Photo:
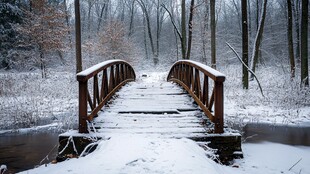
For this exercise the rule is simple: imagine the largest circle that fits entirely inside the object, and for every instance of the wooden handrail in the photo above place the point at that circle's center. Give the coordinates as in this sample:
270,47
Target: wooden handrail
188,73
107,77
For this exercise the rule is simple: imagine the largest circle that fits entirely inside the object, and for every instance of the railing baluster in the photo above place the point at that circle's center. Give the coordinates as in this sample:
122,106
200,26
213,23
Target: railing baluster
218,107
95,91
190,74
122,73
83,107
211,100
198,86
192,80
205,95
111,80
179,71
104,85
90,101
117,74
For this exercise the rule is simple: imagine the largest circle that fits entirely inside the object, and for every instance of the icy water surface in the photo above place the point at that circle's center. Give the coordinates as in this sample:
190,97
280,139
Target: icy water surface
24,151
290,135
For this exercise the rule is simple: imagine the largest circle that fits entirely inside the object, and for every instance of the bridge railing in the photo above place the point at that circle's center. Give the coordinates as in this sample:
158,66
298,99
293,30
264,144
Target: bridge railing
194,77
107,77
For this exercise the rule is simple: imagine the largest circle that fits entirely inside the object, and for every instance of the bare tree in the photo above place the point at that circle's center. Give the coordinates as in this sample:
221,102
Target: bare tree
102,6
245,44
131,7
78,36
204,30
258,36
114,43
146,15
213,28
190,29
296,12
290,37
45,26
68,23
304,43
183,28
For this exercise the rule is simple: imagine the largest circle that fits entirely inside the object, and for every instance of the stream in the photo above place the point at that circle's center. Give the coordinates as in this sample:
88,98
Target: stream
22,151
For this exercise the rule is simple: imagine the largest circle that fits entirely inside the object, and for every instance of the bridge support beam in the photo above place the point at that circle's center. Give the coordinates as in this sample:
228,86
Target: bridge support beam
228,146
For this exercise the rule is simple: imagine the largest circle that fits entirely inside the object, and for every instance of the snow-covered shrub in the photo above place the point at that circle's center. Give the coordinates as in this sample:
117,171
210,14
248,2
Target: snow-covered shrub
114,44
27,100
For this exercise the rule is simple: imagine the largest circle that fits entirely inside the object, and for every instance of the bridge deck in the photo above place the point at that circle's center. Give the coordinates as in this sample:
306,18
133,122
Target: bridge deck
153,107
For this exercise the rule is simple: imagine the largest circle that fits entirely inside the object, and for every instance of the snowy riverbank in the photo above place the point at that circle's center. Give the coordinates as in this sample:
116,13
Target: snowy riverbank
138,154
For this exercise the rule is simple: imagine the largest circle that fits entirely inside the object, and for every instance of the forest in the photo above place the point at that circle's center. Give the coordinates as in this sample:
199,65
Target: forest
239,38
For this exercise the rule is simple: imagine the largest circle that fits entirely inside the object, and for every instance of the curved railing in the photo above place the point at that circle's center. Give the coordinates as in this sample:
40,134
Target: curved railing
107,77
194,77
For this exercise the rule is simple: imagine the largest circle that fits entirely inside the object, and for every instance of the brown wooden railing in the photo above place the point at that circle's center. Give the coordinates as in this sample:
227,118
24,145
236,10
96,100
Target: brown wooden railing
107,77
194,77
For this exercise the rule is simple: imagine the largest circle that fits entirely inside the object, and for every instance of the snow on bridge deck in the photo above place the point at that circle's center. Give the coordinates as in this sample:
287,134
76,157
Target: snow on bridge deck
151,106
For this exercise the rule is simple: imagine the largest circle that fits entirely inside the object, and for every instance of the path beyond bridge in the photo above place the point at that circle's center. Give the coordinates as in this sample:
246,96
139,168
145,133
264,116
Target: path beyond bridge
152,106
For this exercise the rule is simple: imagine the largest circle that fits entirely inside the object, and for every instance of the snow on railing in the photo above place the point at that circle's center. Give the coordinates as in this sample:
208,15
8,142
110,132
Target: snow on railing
188,73
107,77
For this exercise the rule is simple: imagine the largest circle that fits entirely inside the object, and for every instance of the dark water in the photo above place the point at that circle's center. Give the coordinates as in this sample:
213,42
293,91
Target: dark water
20,152
290,135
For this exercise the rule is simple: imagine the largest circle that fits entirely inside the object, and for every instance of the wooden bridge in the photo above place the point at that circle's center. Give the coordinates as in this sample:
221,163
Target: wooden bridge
153,107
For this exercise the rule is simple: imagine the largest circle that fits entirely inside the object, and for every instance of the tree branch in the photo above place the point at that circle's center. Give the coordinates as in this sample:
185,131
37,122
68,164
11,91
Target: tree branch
172,21
260,87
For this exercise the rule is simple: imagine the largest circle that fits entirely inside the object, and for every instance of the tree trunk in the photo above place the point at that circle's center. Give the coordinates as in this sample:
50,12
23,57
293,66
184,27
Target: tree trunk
183,29
296,11
68,24
250,18
78,36
257,15
100,18
238,13
245,44
204,32
144,39
304,43
190,29
258,37
131,18
89,18
290,37
157,30
213,28
42,62
149,30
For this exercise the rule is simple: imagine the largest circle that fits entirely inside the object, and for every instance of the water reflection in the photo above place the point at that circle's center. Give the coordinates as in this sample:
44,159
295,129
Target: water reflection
291,135
23,151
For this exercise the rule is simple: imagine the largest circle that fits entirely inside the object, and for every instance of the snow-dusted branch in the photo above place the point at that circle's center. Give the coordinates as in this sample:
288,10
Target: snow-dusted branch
172,21
260,87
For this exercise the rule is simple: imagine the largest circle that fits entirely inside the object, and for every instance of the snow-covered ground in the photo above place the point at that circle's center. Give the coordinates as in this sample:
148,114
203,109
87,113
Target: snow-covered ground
27,100
138,154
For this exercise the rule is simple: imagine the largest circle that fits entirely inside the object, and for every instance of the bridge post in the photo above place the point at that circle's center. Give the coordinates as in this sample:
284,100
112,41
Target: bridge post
219,107
83,107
